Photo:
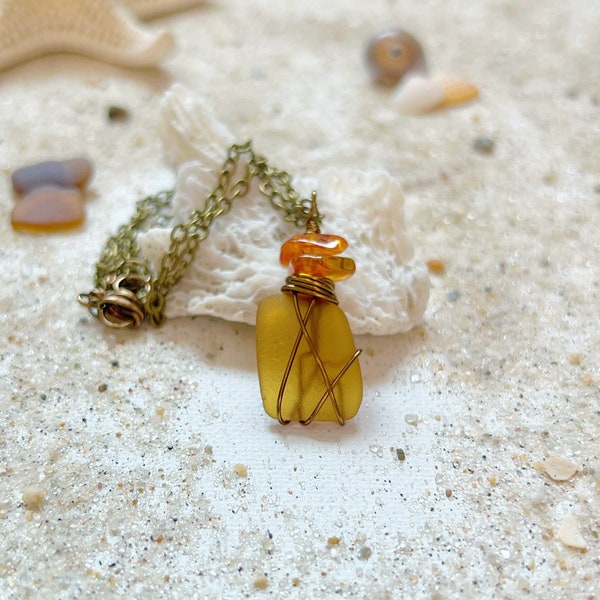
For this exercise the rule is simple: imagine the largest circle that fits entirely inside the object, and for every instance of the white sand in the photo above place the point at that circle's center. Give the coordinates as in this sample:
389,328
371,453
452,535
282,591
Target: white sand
135,490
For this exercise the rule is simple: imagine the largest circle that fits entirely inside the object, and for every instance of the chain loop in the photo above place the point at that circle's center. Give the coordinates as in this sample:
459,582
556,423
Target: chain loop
141,293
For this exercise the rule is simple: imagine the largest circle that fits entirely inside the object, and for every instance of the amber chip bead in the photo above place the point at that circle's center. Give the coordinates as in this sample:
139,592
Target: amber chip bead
321,244
48,209
336,268
74,173
278,332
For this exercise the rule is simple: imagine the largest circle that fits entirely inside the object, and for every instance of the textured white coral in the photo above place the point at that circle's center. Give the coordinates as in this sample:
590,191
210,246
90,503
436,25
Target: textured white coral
102,29
238,264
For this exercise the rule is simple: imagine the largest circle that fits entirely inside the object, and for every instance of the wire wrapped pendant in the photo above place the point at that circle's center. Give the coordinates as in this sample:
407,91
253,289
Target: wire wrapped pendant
307,361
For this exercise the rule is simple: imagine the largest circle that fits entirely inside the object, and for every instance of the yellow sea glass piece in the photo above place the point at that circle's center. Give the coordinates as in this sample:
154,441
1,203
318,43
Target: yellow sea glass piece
307,360
321,244
336,268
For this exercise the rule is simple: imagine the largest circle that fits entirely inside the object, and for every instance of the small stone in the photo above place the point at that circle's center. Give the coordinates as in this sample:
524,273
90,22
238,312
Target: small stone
261,583
49,209
483,145
569,533
117,113
241,470
411,419
365,553
33,498
333,541
67,173
453,296
400,454
436,266
559,469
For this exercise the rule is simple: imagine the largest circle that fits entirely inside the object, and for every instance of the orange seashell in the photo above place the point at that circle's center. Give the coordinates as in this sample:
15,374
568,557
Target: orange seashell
457,91
394,53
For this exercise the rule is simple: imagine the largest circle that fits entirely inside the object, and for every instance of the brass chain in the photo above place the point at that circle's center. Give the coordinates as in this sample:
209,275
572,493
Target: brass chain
126,291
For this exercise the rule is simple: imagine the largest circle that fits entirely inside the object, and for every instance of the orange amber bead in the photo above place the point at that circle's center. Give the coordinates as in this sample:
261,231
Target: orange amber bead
336,268
321,244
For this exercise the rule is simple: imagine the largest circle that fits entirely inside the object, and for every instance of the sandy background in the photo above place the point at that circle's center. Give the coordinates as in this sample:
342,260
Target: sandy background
131,441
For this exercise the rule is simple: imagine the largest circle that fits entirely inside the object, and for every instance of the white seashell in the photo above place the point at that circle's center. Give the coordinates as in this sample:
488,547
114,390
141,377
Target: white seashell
418,95
147,9
101,29
190,131
238,264
570,534
559,469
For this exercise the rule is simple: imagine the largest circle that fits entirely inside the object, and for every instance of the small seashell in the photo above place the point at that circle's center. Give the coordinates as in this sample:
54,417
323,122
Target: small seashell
456,91
418,95
392,54
49,209
570,534
559,469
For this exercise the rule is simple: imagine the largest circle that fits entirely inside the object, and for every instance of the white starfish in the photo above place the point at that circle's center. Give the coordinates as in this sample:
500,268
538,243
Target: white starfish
147,9
102,29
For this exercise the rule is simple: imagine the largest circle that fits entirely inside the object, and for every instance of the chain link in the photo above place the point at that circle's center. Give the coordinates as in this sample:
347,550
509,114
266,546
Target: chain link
122,270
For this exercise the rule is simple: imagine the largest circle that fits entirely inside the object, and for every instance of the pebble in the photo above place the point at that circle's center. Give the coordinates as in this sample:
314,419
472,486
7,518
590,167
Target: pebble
483,145
33,498
569,533
117,113
49,209
559,469
411,419
261,583
74,173
436,266
241,470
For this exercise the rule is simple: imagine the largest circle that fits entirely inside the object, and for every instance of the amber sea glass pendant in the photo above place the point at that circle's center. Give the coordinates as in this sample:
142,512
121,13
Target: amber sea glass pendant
307,361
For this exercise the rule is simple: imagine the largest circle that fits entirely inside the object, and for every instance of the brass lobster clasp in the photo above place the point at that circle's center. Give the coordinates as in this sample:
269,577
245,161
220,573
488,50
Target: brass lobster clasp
117,307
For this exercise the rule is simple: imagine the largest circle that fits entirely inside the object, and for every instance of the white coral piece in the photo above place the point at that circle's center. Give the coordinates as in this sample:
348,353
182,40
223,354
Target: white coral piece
238,264
191,132
101,29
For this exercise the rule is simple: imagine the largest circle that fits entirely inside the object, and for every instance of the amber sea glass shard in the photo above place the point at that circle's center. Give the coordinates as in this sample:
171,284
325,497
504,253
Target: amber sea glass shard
322,244
48,209
307,361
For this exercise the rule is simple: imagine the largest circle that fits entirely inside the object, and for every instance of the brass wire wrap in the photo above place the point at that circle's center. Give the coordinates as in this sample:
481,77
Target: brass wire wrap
318,287
120,260
316,284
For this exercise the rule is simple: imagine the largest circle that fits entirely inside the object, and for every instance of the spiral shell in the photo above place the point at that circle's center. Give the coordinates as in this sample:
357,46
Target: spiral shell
392,54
